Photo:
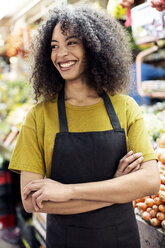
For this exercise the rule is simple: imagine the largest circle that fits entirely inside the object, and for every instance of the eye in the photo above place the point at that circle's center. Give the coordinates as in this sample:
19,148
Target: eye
54,47
70,43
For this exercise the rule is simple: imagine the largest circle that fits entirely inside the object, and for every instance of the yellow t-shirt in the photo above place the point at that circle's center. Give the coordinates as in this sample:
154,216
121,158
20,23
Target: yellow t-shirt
34,147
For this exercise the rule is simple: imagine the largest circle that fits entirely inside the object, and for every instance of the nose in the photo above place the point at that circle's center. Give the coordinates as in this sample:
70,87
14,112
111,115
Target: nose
62,51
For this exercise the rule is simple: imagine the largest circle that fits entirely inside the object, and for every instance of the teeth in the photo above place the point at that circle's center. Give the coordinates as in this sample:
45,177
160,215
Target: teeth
67,64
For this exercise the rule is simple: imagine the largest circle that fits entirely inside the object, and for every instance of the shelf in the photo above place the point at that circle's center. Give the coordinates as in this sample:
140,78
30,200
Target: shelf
154,88
160,230
150,237
156,56
39,222
155,95
158,83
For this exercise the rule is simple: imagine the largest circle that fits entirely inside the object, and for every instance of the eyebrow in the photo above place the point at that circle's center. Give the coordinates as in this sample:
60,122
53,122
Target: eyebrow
68,38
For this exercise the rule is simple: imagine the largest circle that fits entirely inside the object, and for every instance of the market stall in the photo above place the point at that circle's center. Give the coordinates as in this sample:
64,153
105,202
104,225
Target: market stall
150,210
148,33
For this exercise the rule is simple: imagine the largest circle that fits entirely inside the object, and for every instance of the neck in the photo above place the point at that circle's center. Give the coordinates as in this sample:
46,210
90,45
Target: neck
79,93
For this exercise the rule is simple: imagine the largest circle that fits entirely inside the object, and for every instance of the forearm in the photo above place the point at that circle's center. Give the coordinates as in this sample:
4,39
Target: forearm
69,207
122,189
145,181
73,207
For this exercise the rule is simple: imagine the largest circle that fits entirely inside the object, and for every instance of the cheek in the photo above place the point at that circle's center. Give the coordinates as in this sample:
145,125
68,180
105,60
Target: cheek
83,59
52,57
83,56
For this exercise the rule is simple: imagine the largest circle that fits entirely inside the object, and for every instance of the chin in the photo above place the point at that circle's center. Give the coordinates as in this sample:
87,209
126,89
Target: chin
71,78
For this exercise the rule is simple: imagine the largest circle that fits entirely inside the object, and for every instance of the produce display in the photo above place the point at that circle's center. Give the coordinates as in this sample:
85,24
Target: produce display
154,118
15,101
152,208
18,41
116,10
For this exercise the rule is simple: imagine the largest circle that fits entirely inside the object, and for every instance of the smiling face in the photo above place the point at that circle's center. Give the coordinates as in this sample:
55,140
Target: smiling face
68,55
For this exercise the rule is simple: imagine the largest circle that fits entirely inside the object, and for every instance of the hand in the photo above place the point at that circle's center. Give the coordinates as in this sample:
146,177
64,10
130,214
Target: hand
46,190
129,163
158,4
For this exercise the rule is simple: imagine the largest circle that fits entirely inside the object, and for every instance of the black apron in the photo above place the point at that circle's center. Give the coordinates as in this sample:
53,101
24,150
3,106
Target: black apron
88,157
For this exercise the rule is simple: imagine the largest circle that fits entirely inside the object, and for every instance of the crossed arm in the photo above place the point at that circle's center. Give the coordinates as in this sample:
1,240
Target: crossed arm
133,179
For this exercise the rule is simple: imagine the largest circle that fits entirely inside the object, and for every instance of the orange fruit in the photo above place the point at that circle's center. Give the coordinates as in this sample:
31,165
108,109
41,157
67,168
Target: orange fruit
162,158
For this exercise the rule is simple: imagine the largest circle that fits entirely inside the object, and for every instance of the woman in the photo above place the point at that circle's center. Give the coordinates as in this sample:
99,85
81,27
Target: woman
79,134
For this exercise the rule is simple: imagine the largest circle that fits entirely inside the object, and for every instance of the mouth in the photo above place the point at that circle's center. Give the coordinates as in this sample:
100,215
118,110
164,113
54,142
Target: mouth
64,66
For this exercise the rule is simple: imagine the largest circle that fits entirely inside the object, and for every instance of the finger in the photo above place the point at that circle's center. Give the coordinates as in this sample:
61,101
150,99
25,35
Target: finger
33,186
38,181
133,165
40,200
136,168
29,188
136,163
34,199
133,157
26,193
127,155
34,182
128,160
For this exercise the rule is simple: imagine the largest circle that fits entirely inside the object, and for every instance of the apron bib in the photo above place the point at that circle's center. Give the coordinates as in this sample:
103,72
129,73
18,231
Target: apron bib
88,157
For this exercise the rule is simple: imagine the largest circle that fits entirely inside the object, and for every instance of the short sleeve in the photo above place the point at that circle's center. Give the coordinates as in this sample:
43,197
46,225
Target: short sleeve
28,154
138,139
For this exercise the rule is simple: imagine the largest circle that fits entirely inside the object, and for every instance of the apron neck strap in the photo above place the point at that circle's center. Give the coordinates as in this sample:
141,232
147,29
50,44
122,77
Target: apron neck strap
62,112
111,112
108,104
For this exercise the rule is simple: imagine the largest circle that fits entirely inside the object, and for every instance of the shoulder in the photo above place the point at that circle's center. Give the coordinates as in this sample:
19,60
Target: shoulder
124,100
119,99
126,107
34,111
